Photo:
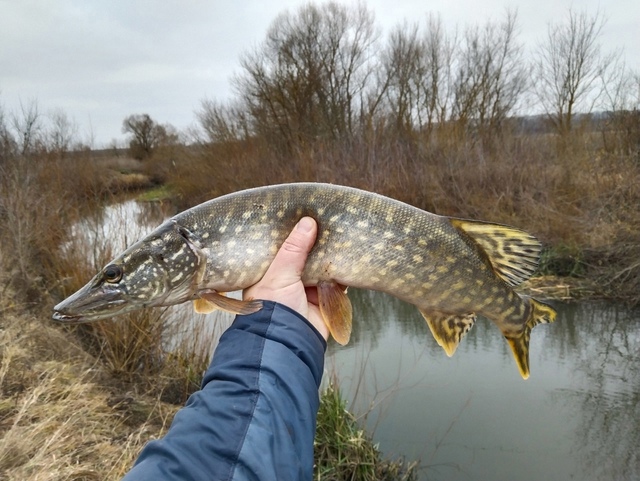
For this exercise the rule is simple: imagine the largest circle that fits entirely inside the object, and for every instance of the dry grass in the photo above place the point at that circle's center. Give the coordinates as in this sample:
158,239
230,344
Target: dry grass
58,420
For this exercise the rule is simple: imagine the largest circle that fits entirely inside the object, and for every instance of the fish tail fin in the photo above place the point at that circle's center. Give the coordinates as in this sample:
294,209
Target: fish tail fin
539,313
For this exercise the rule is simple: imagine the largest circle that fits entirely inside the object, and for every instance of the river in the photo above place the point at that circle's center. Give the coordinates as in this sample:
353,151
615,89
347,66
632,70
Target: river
472,416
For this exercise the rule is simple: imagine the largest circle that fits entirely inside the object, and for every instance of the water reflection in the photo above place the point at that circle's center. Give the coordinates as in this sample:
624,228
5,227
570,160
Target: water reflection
107,231
472,417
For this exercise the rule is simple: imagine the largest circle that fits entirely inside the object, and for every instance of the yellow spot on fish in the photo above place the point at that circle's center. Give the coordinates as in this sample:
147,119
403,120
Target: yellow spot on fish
250,251
392,263
334,218
417,258
280,214
398,247
321,211
205,235
362,224
222,229
177,278
246,215
409,276
238,229
351,209
422,242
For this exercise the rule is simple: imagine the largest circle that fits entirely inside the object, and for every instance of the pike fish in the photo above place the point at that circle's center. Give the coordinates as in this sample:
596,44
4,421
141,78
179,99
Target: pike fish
450,269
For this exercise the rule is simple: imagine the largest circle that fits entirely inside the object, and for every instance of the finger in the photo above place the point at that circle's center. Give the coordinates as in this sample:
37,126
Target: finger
289,262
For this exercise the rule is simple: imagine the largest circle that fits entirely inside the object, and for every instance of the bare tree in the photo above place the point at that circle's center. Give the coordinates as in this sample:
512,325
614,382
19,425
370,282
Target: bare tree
27,127
61,132
490,77
223,122
7,143
621,102
403,67
569,65
146,134
309,78
418,67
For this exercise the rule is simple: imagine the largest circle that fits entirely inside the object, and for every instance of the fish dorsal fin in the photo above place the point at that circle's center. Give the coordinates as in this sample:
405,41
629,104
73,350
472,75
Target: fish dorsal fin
513,253
448,329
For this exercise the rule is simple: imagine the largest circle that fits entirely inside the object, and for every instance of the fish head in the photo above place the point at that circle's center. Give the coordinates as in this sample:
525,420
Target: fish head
163,269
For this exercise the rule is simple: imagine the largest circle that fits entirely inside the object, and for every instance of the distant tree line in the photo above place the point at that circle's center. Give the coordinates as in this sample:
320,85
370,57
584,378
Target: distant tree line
325,72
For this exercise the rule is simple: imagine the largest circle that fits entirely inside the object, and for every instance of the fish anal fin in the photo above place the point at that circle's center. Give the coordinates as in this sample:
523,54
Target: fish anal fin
215,300
539,313
448,329
513,253
336,310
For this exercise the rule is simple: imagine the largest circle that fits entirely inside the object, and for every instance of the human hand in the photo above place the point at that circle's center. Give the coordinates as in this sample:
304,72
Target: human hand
282,282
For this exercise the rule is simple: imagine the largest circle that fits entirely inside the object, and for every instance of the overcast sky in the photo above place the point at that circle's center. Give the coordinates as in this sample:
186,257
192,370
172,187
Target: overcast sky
100,61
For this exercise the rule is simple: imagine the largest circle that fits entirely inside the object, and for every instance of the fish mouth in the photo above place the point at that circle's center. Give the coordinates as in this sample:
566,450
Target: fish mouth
59,316
76,319
89,304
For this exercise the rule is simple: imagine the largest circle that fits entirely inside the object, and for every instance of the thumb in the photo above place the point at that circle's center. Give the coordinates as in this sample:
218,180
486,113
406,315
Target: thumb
287,266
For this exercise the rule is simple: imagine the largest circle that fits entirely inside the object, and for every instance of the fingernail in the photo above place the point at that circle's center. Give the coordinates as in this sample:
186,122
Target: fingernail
305,225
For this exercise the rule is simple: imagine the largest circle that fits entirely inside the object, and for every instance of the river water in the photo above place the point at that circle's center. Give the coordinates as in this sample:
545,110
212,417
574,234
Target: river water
472,416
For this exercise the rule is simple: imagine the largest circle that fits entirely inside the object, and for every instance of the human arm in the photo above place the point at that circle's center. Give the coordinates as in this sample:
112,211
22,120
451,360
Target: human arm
254,417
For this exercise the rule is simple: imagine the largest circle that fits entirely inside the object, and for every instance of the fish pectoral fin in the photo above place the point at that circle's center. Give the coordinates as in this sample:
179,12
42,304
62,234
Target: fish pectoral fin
211,300
513,253
336,310
539,313
448,329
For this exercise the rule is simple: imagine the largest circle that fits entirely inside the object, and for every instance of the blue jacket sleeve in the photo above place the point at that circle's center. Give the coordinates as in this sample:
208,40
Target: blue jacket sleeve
255,416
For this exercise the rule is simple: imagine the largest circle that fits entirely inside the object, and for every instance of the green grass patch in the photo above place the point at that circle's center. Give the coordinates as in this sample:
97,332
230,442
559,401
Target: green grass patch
156,194
343,451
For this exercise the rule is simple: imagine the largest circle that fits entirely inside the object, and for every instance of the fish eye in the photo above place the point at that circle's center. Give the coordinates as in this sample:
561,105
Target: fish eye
112,273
